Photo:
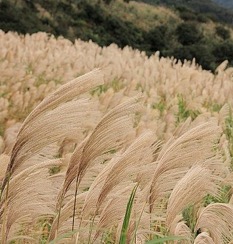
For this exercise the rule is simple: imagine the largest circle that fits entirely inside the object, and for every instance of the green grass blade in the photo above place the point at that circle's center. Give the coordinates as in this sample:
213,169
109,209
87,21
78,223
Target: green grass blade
127,216
167,238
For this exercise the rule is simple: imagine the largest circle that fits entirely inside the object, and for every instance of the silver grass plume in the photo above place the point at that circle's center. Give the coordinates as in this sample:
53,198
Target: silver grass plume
62,95
197,183
204,238
109,134
217,218
31,195
192,147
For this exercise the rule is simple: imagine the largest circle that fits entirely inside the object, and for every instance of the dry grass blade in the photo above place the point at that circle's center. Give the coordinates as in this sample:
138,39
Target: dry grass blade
224,113
189,190
66,214
89,206
166,182
4,159
217,218
27,239
71,171
182,229
203,238
184,127
10,136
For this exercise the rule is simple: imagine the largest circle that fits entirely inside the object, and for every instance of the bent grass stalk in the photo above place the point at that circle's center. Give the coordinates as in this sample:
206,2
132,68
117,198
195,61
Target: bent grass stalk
75,200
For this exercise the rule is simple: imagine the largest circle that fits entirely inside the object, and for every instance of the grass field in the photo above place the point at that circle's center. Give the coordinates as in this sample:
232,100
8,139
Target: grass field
104,145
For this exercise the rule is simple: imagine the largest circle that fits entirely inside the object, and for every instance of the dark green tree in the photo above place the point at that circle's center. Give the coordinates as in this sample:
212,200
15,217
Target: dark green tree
201,52
222,32
188,33
107,1
224,51
156,38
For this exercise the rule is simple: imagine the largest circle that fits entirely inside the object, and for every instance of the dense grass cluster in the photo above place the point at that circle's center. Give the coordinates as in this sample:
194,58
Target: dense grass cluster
134,149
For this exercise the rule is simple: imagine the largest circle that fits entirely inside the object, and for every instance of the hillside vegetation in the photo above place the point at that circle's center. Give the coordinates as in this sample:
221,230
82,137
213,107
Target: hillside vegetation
175,30
138,150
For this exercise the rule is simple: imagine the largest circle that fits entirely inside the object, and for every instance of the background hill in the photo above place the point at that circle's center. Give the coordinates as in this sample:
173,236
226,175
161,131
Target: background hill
183,29
225,3
217,10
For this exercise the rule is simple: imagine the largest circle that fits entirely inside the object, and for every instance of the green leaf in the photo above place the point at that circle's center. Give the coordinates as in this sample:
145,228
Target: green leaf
167,238
127,216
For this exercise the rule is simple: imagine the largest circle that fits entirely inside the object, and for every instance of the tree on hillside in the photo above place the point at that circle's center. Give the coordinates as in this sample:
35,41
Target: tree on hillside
188,33
222,32
224,51
156,38
201,52
107,1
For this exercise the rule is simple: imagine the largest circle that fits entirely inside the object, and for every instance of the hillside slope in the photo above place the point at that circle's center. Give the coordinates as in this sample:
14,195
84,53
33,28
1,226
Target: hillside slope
177,31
